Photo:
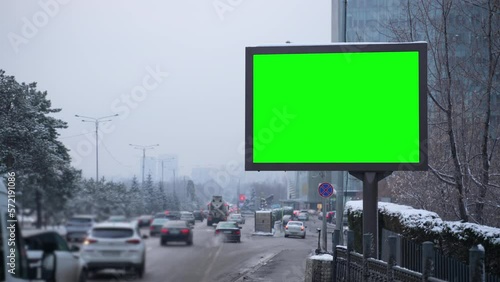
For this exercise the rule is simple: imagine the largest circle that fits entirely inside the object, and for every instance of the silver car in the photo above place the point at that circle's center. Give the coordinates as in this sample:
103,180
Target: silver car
78,226
295,228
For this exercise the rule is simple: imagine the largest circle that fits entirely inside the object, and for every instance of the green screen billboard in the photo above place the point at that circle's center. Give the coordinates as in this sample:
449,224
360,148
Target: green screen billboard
356,107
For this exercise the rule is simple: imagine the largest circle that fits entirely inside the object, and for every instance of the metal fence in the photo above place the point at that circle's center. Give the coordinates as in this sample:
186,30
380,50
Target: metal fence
351,266
409,255
418,262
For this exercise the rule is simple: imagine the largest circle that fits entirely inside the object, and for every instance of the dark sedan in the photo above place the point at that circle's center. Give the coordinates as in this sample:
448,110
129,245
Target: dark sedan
176,230
229,231
156,226
144,220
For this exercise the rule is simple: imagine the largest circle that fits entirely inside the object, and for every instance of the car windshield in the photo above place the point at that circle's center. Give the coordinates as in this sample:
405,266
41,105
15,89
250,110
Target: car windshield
227,225
159,221
115,233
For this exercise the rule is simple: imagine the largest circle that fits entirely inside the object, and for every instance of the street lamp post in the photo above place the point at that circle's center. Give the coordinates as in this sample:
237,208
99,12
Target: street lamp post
96,121
144,148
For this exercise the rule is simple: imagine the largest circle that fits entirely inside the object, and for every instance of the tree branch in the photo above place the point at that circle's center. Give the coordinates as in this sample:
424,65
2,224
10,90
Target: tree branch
442,176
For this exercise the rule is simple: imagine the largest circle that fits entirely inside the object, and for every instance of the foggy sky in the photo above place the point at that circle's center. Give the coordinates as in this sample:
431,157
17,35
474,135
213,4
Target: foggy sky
172,70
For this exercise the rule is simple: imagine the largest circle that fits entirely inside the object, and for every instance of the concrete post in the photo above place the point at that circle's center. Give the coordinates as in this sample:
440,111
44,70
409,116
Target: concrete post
367,253
335,242
427,260
476,264
350,248
392,258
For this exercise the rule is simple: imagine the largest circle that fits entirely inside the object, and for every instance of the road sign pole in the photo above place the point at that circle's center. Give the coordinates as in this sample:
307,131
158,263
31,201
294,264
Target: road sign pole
324,228
325,190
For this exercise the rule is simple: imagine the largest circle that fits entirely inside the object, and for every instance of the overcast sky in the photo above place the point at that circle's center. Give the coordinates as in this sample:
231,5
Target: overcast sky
172,70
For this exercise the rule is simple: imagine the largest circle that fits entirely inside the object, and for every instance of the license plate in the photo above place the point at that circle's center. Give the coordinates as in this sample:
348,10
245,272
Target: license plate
174,232
228,232
111,253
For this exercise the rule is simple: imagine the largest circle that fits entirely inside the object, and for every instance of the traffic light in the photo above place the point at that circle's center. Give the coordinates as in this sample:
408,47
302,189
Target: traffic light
242,197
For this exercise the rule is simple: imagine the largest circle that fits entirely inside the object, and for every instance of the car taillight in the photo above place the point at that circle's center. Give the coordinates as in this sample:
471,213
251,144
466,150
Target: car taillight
185,231
151,227
133,241
217,231
302,228
89,241
237,232
164,230
286,227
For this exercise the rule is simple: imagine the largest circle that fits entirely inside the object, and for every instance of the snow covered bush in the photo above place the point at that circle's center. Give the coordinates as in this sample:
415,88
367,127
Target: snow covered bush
452,237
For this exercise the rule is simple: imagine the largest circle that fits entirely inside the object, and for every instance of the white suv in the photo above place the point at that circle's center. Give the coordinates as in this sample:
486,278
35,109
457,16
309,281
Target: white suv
115,245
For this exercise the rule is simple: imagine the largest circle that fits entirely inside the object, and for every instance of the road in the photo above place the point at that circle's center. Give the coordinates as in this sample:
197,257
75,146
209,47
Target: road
211,260
256,258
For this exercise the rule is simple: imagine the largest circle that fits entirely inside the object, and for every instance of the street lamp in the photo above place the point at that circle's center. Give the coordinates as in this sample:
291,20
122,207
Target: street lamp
144,148
96,121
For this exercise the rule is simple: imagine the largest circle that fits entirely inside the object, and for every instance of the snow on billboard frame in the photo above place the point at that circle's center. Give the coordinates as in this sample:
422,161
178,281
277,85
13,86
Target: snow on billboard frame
277,111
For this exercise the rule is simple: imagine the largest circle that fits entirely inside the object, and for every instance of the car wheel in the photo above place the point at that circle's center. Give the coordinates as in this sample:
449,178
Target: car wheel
83,276
286,236
189,243
163,242
303,237
140,270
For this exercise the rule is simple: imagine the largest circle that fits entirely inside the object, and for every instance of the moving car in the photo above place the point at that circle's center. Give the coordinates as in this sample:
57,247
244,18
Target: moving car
70,266
236,217
198,215
228,231
176,230
116,245
118,218
303,216
295,228
188,217
156,225
78,226
144,220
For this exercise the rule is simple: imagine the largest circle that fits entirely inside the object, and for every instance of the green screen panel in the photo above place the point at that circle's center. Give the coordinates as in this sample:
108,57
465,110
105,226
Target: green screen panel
361,108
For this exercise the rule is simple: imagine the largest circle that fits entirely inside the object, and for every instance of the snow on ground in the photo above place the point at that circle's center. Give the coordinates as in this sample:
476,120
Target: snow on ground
325,257
262,234
430,221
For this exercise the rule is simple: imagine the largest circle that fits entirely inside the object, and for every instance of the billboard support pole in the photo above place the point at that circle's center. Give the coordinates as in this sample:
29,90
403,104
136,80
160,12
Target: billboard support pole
370,206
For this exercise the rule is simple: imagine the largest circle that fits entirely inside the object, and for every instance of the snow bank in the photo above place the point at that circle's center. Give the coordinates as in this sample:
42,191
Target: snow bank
430,221
325,257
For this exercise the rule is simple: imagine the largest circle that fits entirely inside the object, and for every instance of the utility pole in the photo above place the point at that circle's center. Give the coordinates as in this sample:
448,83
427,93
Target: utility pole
174,178
96,121
144,148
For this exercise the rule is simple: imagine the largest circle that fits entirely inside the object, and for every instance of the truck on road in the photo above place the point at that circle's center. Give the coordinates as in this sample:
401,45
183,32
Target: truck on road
217,210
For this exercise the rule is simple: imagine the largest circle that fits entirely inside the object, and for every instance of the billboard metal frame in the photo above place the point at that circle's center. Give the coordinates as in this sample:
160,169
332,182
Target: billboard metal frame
420,47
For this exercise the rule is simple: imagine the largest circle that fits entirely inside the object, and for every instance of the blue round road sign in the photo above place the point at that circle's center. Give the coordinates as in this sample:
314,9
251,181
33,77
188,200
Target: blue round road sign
325,190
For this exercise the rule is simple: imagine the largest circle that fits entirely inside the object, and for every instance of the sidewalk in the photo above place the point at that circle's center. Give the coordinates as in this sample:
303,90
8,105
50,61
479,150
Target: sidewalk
286,266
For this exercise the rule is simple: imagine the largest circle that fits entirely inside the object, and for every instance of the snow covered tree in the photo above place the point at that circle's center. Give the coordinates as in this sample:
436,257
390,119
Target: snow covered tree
30,147
136,198
149,196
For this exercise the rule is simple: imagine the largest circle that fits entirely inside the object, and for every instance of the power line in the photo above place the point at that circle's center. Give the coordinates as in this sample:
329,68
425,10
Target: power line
111,155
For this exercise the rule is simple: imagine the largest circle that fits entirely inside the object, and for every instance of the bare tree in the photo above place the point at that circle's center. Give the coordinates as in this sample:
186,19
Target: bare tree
463,50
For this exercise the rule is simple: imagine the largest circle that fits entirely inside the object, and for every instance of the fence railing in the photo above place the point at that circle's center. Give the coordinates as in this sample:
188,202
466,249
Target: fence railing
434,266
408,255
